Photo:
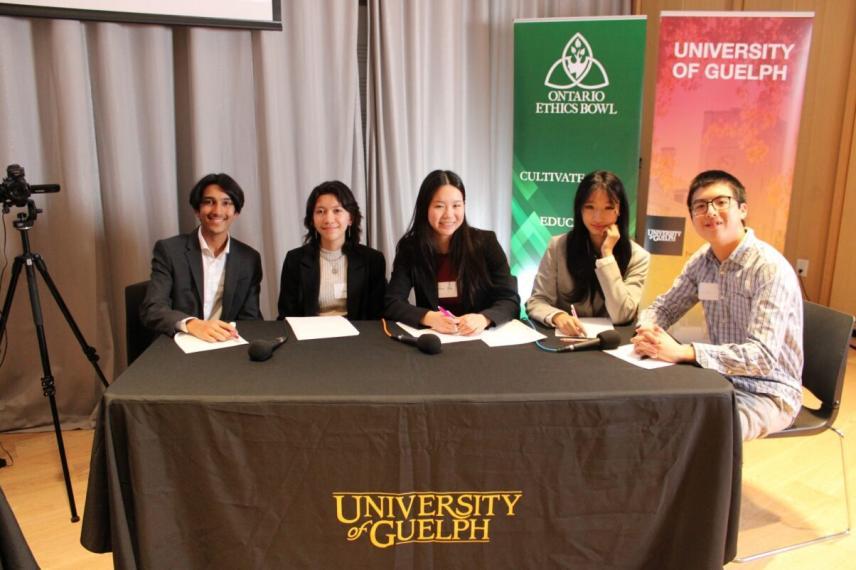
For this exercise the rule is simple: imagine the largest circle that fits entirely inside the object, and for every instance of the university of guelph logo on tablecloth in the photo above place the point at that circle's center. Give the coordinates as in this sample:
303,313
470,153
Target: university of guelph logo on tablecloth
390,519
664,235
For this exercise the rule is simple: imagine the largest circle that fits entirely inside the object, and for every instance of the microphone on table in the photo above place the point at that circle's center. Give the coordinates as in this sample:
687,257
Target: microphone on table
427,343
260,350
606,340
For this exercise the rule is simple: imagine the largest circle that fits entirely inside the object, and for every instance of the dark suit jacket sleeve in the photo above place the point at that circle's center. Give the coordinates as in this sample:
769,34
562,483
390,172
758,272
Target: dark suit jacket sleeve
250,310
157,311
289,286
398,291
377,285
504,299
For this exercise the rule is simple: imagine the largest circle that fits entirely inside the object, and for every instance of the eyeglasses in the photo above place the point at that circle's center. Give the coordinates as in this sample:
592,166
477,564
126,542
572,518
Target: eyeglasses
720,203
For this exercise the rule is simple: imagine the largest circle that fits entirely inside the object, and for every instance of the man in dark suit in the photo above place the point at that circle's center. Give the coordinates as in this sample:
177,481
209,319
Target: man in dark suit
202,280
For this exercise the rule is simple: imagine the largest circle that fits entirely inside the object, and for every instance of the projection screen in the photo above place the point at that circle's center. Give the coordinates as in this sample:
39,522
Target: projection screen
253,14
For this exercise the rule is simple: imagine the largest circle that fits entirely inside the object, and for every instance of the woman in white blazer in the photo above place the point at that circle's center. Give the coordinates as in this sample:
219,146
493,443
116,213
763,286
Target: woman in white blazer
594,270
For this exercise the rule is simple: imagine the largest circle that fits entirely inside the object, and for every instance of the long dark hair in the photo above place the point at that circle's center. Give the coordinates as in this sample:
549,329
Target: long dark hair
346,198
580,254
463,247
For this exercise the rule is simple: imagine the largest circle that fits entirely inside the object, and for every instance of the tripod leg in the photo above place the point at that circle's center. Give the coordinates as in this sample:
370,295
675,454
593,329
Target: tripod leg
89,351
10,293
48,388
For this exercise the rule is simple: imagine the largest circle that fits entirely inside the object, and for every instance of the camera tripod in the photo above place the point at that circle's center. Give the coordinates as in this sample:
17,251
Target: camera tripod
32,261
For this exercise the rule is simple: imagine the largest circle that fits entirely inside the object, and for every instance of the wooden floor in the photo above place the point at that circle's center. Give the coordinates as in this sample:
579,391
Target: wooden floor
791,489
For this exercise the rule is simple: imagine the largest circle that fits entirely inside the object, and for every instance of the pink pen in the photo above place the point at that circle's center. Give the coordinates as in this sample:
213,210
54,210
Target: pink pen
445,312
574,314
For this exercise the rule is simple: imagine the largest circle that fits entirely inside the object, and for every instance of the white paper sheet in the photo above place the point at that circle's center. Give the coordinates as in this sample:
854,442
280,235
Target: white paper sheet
593,326
511,333
444,338
626,353
190,344
308,328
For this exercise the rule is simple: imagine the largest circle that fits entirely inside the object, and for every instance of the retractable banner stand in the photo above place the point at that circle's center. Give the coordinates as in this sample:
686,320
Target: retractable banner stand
729,97
577,108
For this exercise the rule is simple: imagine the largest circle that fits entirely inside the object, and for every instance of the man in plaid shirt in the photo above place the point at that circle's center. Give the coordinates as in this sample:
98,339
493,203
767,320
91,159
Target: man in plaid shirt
752,305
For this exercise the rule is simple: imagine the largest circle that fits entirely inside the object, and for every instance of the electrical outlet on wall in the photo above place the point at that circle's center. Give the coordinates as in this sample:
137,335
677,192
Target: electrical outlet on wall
802,267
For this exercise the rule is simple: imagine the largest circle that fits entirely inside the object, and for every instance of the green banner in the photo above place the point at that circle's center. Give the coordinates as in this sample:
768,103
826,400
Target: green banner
577,108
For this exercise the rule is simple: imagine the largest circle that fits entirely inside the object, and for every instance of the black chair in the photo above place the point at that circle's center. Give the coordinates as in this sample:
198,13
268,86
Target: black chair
137,337
826,337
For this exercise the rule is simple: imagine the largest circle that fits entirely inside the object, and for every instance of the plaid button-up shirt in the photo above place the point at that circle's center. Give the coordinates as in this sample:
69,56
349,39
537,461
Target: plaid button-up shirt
756,324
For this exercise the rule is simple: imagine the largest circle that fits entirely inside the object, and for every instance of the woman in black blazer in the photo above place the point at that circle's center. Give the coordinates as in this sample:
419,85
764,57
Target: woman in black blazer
332,274
460,274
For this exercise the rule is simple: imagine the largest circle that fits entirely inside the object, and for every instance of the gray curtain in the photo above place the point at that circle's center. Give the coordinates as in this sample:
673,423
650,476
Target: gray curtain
125,118
440,95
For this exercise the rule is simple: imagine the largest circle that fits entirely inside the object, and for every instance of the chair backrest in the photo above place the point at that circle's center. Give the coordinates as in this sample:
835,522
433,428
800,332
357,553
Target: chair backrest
137,337
826,340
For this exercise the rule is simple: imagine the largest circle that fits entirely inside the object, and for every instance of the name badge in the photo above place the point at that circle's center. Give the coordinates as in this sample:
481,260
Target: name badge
340,290
447,289
708,291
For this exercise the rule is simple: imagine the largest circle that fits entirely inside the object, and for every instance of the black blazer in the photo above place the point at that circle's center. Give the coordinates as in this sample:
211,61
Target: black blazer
175,291
500,302
300,282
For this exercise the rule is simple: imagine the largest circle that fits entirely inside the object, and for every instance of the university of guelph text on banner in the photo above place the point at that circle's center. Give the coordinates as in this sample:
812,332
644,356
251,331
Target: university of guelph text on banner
577,108
729,97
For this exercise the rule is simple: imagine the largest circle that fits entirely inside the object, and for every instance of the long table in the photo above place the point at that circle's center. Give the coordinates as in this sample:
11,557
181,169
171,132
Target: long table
361,452
15,554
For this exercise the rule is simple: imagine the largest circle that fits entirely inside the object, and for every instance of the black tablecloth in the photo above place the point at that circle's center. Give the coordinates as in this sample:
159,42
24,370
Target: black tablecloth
14,551
361,452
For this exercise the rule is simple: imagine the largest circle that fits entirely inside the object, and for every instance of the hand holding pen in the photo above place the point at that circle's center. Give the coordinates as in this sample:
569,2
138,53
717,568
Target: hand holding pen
569,324
441,320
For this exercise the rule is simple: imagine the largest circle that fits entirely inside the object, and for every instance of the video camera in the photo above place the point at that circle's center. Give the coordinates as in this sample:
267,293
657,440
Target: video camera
14,190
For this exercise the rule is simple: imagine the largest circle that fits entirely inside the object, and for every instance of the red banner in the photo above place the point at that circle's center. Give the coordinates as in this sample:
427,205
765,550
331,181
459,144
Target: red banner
729,97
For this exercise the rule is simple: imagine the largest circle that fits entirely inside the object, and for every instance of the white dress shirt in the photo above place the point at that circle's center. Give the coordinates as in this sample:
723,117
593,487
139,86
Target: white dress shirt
213,278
